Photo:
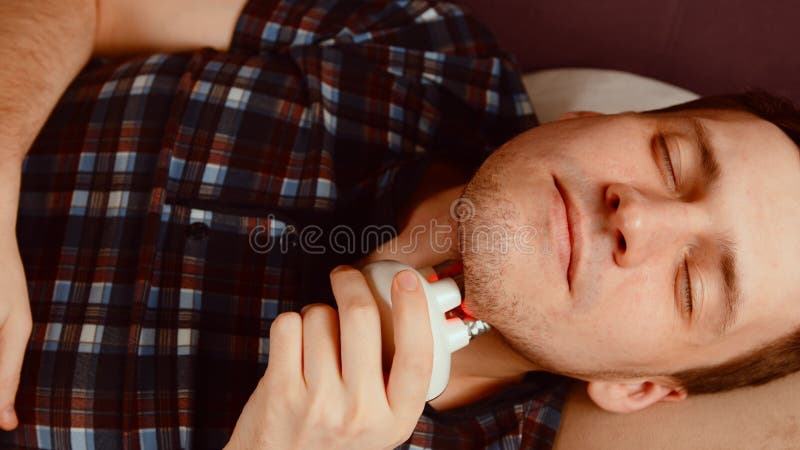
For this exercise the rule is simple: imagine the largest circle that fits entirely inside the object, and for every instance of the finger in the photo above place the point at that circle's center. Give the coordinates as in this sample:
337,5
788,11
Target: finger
285,363
413,354
13,340
320,346
359,332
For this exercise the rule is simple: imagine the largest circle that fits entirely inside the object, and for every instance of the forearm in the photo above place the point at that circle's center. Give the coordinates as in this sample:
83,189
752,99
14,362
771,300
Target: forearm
45,43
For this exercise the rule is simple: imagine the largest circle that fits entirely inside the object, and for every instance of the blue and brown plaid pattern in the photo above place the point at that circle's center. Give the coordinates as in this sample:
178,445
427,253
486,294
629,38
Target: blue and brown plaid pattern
151,303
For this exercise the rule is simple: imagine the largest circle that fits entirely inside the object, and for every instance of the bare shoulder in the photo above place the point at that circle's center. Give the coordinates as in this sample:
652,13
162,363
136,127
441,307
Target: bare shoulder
762,417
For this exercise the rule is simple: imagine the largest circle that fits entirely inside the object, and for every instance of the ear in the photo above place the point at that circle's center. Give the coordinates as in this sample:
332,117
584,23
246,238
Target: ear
577,114
625,397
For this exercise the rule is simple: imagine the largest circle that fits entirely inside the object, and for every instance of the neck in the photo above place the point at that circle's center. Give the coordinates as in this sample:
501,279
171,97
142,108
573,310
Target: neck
428,230
490,356
482,368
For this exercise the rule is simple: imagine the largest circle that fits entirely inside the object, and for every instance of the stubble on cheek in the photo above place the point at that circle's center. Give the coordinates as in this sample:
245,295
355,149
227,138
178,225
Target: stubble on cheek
486,231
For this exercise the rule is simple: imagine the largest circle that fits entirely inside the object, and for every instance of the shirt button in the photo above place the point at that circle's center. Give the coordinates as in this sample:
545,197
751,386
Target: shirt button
197,231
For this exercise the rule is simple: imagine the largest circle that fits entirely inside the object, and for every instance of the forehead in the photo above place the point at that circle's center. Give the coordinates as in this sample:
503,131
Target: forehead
758,202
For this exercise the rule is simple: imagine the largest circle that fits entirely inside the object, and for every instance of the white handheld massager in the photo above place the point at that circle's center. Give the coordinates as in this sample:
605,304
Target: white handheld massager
443,295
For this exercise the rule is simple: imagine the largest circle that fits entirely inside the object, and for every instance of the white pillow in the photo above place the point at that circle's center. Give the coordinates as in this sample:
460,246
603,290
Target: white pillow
556,91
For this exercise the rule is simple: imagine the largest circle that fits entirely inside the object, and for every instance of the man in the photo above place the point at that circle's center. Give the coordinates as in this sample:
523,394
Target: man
152,296
151,197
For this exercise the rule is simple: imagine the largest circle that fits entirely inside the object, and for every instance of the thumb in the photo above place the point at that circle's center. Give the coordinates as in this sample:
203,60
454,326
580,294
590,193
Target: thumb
13,339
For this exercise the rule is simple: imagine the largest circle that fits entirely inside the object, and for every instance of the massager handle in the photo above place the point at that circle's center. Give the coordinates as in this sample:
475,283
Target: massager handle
443,295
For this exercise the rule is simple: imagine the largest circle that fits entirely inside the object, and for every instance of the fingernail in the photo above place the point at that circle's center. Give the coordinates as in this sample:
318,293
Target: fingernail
304,308
407,280
339,268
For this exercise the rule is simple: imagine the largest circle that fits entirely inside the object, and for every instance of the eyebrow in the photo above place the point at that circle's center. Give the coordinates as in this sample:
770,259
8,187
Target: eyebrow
727,264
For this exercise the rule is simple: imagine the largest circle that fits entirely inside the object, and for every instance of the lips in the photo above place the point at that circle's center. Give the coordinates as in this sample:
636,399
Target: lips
565,232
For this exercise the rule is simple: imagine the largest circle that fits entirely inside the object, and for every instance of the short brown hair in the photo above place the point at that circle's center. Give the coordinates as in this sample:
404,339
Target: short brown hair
780,357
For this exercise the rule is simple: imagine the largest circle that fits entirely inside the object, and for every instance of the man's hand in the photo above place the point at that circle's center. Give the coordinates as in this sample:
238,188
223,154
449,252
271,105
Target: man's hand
44,45
15,310
324,386
15,326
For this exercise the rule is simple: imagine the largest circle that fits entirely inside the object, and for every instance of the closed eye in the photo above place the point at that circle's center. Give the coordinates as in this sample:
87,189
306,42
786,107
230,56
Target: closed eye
669,171
663,154
688,304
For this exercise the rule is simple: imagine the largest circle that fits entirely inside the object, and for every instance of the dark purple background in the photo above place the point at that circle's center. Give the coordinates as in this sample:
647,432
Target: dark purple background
707,46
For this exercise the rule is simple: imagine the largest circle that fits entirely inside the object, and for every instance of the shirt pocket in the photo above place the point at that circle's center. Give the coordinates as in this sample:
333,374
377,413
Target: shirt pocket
251,265
247,135
235,262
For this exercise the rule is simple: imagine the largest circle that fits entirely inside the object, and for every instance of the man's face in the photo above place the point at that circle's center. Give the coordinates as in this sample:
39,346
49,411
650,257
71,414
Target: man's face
622,308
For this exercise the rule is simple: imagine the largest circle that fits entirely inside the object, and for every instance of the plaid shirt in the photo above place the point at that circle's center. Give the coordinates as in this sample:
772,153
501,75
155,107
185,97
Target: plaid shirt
150,197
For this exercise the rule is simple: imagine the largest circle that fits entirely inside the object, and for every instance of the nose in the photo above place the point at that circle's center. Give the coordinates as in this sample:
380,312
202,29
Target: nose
646,225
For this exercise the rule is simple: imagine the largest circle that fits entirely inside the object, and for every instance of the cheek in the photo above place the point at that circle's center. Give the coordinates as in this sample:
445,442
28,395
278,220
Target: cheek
597,159
623,326
632,324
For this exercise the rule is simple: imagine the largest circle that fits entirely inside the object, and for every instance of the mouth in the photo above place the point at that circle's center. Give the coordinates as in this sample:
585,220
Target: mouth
568,236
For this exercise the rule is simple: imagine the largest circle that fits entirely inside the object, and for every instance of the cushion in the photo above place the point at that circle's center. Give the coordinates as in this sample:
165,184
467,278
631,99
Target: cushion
556,91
